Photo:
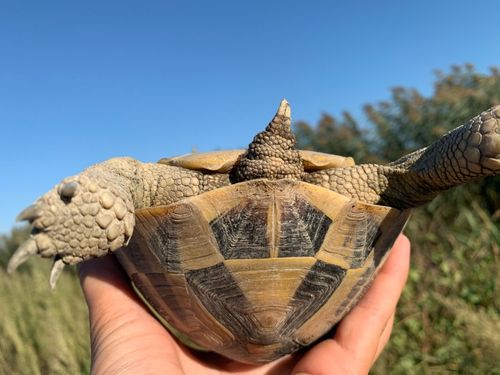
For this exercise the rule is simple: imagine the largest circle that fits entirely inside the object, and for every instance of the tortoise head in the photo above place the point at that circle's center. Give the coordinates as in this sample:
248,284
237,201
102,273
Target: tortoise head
272,153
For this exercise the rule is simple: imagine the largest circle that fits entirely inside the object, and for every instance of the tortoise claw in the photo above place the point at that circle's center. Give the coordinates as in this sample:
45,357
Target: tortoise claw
20,256
284,109
56,271
28,249
491,163
29,214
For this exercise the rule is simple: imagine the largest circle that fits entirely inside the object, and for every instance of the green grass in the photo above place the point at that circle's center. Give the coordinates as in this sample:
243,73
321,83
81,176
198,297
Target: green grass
448,319
42,331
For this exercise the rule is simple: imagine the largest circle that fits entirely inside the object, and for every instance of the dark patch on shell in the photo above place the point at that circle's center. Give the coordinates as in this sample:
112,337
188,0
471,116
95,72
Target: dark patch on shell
241,232
317,287
303,229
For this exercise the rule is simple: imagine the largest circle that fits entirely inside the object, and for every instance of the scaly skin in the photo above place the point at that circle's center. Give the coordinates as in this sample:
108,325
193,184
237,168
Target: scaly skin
92,214
465,154
272,153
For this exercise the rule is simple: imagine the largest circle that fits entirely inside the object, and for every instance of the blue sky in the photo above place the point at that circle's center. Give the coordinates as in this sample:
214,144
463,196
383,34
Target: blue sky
81,82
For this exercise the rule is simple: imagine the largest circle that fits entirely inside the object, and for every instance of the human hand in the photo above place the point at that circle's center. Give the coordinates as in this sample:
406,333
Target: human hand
127,339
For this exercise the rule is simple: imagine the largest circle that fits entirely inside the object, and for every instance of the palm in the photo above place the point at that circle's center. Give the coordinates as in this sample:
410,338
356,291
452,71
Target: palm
126,338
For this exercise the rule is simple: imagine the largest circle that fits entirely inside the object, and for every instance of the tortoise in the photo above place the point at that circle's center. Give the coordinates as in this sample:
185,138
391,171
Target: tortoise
251,253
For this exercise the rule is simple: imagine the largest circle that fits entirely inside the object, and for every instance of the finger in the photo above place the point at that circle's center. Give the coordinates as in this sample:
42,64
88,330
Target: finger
384,338
103,278
361,330
120,326
122,329
357,338
109,295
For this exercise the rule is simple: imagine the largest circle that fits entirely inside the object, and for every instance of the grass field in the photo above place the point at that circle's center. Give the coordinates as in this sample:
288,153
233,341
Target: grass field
42,332
448,318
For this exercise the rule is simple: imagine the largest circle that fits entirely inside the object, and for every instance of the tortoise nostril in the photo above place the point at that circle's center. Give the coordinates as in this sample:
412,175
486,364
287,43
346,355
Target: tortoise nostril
68,191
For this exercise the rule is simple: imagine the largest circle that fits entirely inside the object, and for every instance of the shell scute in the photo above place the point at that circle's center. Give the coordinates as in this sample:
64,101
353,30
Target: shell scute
223,161
265,266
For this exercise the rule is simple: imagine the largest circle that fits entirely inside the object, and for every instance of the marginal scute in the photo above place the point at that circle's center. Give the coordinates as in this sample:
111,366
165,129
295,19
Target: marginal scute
215,161
223,161
315,161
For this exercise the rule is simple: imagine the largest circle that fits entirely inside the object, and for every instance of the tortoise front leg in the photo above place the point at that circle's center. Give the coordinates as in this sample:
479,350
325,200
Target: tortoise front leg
465,154
92,214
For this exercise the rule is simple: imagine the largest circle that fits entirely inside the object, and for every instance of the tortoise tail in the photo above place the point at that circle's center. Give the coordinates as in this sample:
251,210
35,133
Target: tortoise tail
272,153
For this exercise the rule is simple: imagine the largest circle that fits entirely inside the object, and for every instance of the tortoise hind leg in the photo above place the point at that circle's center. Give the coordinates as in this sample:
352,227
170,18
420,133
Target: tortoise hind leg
465,154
